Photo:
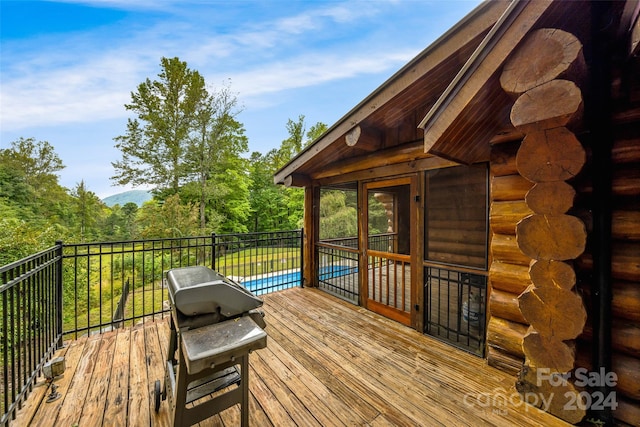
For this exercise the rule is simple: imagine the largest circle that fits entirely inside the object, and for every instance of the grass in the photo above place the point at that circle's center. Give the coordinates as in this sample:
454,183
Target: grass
147,298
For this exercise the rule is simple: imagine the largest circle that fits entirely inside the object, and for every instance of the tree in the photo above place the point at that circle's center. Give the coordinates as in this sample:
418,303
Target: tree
168,219
88,211
36,160
155,146
276,207
315,132
216,146
29,187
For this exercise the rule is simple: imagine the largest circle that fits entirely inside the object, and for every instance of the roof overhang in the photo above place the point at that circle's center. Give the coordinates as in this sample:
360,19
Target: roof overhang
389,116
474,107
453,86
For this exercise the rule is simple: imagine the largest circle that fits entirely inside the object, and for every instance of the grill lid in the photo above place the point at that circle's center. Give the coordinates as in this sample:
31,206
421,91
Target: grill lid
198,290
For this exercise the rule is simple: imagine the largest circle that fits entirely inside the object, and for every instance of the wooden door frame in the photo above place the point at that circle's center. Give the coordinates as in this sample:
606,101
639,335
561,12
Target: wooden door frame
416,197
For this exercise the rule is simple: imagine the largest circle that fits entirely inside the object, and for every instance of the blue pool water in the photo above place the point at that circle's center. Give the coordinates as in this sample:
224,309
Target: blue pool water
278,282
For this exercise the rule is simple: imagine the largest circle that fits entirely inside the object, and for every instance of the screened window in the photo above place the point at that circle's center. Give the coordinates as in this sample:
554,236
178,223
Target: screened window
456,216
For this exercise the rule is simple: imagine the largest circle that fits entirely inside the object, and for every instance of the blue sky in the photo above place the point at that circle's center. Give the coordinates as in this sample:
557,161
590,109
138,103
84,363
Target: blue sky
68,67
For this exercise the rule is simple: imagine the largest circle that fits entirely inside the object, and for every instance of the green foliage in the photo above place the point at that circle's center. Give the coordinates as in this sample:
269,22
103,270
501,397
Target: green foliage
338,214
19,238
89,213
273,206
184,139
155,146
37,162
168,219
34,209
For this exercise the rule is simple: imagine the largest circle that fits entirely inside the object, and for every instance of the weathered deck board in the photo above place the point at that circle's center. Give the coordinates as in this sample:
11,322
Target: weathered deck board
116,400
327,363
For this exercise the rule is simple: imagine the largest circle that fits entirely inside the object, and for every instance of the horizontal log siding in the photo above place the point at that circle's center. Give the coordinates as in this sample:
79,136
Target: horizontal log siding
509,268
625,260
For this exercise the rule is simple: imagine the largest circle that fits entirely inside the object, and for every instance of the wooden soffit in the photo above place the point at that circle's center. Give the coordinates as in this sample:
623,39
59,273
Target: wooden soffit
474,108
388,118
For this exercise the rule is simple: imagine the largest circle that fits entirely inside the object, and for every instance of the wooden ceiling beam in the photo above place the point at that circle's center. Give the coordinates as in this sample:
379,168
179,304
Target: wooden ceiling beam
364,138
397,154
297,180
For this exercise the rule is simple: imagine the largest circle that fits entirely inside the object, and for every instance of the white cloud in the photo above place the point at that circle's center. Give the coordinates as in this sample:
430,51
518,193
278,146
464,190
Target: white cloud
91,75
311,70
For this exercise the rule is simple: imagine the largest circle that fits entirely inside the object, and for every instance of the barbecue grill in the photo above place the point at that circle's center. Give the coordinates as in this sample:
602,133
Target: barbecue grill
215,324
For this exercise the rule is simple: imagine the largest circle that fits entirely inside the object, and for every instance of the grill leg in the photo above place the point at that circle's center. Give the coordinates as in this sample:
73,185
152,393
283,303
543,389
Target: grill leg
180,393
244,383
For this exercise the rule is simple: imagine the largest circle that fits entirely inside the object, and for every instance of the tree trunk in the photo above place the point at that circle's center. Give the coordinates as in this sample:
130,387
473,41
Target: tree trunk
504,361
510,278
625,337
554,312
504,248
506,335
503,216
626,225
547,352
553,397
509,187
625,261
505,306
503,158
552,274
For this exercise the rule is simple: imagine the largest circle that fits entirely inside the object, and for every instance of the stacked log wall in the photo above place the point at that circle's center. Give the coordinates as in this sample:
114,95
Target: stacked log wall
544,76
509,268
625,264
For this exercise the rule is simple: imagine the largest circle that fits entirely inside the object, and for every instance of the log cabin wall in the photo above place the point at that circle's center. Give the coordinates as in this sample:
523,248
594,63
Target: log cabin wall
625,245
509,270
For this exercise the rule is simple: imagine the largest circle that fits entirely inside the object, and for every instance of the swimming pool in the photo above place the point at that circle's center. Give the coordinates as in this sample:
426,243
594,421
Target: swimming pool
290,279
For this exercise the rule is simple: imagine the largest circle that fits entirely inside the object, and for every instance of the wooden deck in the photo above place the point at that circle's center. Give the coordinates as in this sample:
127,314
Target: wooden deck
327,363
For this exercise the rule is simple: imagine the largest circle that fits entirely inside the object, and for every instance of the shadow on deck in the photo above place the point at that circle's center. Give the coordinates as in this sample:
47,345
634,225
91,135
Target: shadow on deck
327,363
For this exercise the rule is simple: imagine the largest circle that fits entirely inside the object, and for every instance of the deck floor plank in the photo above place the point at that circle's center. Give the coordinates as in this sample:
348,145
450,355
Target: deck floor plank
138,408
311,357
313,390
372,371
117,396
77,393
155,362
327,362
280,387
94,406
36,397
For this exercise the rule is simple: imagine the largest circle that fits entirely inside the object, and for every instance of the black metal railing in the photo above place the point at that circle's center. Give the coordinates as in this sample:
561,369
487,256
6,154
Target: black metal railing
80,289
337,266
31,305
262,262
337,269
455,307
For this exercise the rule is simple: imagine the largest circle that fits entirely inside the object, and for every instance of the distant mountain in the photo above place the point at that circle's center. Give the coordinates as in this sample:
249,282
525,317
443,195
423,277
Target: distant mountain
136,196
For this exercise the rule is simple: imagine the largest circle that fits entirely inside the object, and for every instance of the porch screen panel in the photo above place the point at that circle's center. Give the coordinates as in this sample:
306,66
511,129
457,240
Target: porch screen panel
337,249
456,216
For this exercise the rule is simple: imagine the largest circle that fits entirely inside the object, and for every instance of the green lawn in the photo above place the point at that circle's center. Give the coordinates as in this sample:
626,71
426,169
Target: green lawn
146,295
